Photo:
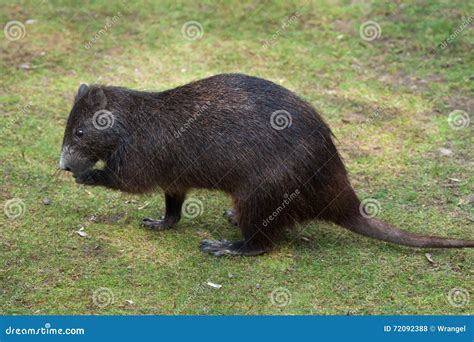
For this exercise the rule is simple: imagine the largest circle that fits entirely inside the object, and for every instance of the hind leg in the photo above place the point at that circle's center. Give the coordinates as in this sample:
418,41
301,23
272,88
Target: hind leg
173,213
259,233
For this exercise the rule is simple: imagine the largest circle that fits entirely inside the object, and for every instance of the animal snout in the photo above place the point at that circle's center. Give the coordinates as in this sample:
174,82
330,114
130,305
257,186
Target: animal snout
62,161
65,160
75,162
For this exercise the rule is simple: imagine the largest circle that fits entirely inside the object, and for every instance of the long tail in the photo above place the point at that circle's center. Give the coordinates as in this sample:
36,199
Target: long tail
345,210
380,230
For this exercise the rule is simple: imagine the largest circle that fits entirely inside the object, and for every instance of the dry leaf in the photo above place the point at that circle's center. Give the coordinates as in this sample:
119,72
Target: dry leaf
429,258
81,232
216,286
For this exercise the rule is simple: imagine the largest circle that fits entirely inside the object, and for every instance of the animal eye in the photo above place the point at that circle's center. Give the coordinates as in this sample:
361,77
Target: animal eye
79,132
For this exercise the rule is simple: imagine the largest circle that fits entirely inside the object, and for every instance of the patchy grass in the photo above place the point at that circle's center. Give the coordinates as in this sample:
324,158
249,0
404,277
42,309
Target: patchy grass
47,268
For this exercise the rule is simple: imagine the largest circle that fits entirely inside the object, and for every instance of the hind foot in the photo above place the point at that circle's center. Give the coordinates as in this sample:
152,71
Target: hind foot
230,215
224,247
162,224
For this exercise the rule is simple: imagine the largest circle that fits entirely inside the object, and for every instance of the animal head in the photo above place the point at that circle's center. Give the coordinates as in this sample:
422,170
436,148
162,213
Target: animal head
91,133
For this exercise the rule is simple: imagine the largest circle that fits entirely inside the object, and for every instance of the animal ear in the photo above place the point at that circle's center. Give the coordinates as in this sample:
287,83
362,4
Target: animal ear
97,99
83,88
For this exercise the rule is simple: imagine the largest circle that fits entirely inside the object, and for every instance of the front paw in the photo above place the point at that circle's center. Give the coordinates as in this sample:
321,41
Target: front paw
86,178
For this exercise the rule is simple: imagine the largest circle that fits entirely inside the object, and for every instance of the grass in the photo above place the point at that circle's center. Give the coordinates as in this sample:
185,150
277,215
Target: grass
47,268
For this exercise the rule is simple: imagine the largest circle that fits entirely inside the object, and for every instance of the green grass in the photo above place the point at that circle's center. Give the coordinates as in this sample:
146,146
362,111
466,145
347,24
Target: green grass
47,268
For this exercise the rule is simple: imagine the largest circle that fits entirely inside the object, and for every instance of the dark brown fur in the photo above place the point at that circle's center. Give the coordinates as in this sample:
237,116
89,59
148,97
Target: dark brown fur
216,133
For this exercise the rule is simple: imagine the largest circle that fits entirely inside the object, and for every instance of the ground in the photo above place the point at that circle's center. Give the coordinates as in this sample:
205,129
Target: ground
388,101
